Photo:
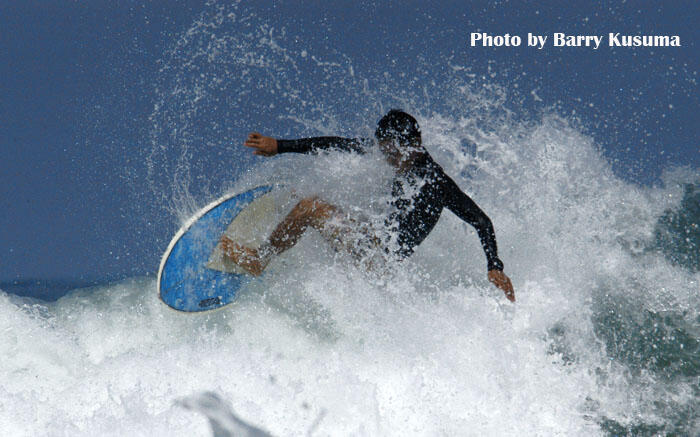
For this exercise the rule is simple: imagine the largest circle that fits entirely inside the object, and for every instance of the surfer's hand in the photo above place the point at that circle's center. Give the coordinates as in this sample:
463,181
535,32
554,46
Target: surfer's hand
264,146
500,280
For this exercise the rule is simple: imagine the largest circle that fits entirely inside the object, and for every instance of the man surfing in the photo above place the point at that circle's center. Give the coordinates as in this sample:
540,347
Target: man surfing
420,191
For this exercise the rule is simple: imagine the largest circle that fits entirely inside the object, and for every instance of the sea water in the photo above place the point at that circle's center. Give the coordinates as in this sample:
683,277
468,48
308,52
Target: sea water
602,340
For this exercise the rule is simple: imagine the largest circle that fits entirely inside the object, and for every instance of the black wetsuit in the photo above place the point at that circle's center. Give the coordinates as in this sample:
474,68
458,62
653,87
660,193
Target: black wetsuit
415,210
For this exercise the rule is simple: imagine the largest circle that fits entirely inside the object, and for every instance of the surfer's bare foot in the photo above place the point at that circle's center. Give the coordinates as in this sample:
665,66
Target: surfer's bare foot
245,257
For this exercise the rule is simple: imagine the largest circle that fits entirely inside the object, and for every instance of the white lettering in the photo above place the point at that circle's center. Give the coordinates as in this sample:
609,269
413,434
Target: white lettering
536,40
487,40
612,39
561,39
558,39
598,39
617,40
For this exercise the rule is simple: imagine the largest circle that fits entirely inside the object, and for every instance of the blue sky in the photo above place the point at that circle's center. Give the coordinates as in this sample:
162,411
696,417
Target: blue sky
79,84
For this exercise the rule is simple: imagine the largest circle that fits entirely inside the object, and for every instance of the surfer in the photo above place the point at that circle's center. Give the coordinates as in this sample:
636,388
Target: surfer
420,191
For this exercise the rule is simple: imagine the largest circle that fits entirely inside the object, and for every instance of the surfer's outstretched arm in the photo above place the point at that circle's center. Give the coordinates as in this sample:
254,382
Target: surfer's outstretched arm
466,209
268,146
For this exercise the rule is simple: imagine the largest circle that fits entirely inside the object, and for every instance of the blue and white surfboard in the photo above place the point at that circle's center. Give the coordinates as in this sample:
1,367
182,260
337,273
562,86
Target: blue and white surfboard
192,276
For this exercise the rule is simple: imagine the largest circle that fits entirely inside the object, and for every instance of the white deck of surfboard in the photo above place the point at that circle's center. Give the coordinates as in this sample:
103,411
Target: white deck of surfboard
250,228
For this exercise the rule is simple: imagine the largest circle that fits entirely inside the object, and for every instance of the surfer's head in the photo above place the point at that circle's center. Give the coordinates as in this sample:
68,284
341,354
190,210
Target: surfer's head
399,137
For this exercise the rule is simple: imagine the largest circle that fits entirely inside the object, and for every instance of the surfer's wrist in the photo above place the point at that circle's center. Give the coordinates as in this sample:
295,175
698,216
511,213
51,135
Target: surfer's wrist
494,264
286,146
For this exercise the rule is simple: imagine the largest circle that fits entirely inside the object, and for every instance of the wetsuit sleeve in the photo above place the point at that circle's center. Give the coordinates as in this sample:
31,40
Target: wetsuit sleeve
465,208
313,145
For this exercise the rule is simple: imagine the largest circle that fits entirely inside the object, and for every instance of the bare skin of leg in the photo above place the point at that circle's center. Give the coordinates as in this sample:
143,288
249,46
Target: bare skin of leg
310,211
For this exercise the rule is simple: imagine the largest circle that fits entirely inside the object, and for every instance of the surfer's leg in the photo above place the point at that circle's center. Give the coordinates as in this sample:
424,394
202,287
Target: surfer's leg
310,211
356,235
250,259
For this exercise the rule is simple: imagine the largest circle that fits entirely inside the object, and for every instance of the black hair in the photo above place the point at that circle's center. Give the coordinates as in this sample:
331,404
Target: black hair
400,126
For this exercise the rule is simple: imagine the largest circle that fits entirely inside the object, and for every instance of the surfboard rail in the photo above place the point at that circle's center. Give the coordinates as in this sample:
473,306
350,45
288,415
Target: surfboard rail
184,282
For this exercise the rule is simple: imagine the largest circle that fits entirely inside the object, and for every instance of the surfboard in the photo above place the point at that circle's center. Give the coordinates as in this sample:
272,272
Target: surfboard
194,275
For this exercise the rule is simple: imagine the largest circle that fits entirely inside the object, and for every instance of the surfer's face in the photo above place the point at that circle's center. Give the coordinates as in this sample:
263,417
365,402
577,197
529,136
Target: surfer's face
399,156
391,152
